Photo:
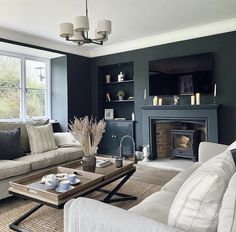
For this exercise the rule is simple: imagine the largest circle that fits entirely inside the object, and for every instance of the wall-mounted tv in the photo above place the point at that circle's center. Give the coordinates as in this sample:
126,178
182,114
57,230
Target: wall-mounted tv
181,75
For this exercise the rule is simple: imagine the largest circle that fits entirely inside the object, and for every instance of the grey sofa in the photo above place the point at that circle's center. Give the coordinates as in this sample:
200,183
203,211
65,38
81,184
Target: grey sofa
11,170
86,215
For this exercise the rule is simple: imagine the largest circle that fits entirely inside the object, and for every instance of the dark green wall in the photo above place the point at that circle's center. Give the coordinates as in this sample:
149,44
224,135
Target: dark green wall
223,47
70,88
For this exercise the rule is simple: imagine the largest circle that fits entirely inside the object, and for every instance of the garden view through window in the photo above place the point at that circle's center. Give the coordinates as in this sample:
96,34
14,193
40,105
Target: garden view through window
23,88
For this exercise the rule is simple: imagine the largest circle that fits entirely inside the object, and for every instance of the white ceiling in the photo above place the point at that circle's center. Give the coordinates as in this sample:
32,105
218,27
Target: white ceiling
131,19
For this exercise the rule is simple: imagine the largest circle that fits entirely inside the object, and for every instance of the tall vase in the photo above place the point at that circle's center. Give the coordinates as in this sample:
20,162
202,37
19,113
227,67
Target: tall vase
89,163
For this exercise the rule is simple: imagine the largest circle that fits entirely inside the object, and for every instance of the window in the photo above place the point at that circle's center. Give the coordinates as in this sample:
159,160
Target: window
24,88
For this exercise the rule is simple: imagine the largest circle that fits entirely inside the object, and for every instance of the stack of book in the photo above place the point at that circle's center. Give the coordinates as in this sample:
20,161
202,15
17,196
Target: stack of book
101,163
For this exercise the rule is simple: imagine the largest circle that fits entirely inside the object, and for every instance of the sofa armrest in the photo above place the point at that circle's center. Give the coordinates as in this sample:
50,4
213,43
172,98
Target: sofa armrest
208,150
87,215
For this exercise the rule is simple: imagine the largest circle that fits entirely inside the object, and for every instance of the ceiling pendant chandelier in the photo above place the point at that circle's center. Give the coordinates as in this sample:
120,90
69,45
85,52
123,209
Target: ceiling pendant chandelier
78,32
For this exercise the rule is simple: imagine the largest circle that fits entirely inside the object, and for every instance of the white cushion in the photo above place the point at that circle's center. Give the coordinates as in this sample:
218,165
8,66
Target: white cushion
156,206
232,146
65,139
227,216
41,138
10,168
196,205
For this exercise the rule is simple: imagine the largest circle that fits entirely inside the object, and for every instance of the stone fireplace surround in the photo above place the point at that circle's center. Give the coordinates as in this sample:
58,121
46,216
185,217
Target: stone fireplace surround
202,115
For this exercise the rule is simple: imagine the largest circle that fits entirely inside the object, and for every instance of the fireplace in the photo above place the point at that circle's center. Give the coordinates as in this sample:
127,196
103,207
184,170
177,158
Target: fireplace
159,121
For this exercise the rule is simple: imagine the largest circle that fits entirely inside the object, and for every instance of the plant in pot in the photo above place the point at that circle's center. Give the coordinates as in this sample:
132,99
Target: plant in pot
88,133
120,95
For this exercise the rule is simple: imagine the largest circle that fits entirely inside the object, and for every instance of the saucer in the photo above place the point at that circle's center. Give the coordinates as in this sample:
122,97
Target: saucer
77,181
58,189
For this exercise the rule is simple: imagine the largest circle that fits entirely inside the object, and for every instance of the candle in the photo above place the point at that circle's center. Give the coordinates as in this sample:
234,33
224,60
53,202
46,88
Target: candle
215,90
192,100
198,98
160,101
145,94
154,101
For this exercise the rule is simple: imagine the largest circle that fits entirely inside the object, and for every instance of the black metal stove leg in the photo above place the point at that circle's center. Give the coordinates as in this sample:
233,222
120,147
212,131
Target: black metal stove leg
15,225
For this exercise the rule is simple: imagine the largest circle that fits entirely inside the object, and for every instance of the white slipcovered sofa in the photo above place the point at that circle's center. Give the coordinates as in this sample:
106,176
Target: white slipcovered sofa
161,211
10,170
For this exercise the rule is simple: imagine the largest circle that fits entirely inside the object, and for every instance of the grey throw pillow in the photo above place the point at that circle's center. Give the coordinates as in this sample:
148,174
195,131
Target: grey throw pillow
10,146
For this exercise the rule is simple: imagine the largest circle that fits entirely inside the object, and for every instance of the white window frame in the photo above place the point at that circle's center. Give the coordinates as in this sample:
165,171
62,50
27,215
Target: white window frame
23,114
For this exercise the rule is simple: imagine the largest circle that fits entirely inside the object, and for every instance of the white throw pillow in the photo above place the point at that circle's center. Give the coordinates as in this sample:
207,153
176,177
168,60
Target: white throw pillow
232,146
227,216
65,139
197,203
41,138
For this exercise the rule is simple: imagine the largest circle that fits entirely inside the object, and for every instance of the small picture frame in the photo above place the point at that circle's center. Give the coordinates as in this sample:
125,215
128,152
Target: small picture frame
109,114
186,85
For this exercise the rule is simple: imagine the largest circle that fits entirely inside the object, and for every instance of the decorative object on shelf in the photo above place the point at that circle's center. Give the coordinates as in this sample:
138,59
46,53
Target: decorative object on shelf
144,95
109,114
120,95
193,100
146,153
121,77
198,98
108,78
78,33
160,101
155,101
214,101
88,133
130,98
176,100
139,155
132,116
186,84
108,98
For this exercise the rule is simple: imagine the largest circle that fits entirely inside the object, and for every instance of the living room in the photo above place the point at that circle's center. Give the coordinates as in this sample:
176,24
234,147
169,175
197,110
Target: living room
89,79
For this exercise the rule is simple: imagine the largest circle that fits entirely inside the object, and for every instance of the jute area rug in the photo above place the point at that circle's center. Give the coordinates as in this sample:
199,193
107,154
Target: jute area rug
48,219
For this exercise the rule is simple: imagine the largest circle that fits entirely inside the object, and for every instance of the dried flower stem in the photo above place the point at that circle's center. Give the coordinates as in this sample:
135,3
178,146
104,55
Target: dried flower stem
88,133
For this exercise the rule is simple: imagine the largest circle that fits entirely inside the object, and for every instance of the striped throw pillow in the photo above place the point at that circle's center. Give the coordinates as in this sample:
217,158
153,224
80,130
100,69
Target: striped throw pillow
41,138
197,203
227,216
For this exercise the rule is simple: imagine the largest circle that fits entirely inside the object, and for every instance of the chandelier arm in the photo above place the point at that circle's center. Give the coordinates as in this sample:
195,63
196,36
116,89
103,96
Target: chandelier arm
98,43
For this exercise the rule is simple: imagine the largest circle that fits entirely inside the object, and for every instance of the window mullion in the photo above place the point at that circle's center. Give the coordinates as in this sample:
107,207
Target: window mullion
23,89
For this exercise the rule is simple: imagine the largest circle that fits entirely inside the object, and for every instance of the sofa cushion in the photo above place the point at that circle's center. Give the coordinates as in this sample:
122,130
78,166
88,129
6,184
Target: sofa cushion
9,168
174,184
196,205
227,215
41,138
65,139
24,134
50,158
156,206
10,146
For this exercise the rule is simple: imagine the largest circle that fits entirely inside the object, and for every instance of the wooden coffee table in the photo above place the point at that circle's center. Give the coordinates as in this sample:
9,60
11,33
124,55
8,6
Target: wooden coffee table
30,187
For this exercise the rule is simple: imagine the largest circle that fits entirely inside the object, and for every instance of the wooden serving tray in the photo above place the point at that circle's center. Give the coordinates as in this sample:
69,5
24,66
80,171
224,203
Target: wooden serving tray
32,187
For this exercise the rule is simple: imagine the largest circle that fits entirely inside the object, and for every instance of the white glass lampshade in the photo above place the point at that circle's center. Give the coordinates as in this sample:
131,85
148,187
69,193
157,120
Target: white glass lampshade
66,29
77,36
104,27
81,23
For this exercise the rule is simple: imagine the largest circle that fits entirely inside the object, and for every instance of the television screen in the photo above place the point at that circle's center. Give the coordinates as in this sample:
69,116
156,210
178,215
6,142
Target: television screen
182,75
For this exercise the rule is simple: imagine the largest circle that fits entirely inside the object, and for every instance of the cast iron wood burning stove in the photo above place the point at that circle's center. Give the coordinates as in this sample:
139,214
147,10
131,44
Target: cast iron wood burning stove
184,143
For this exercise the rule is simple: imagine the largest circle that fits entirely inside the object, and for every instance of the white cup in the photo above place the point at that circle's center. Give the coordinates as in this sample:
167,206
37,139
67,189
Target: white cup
71,178
64,185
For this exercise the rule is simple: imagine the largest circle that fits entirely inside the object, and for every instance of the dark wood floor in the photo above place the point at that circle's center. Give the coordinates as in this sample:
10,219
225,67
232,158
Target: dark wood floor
142,174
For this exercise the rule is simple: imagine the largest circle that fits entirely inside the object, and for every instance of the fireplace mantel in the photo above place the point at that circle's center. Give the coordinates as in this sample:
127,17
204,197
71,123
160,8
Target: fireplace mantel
206,113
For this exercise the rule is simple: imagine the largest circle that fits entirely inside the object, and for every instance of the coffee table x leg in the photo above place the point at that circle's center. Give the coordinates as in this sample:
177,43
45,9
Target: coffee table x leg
114,192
